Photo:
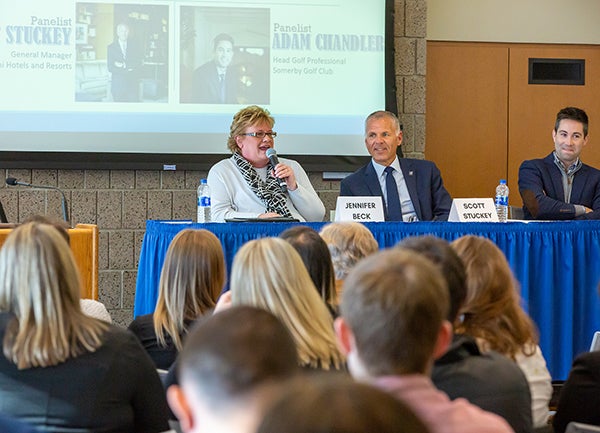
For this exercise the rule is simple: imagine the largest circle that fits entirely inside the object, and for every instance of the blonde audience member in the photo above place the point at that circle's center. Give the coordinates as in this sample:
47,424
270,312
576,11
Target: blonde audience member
348,243
62,370
268,273
493,315
192,277
90,307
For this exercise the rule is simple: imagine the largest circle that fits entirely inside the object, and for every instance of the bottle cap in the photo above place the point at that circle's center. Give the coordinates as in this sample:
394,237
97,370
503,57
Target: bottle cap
203,181
502,181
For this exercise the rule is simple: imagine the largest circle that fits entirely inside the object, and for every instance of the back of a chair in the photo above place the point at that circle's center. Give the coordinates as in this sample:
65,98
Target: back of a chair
578,427
516,213
595,342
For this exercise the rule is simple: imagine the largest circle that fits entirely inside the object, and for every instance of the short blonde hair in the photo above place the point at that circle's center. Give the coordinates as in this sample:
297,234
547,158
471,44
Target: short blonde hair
40,286
269,273
191,280
245,118
348,243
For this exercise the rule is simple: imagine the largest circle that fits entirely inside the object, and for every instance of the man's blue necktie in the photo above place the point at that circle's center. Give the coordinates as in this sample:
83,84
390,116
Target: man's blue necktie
394,210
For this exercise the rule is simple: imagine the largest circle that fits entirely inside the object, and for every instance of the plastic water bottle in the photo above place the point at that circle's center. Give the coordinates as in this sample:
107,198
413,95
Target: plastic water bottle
502,201
203,202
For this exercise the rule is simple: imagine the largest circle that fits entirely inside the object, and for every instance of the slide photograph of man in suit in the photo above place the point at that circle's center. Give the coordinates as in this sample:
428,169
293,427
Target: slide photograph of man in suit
223,60
124,58
217,81
411,189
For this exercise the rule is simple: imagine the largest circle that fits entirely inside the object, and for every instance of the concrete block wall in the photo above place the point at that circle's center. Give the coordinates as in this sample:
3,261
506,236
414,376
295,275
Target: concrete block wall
120,201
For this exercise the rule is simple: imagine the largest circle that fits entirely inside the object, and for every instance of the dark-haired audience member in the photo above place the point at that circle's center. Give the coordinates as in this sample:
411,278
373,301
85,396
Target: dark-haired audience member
290,294
393,325
579,399
192,277
348,242
487,379
493,315
230,369
60,369
337,404
316,257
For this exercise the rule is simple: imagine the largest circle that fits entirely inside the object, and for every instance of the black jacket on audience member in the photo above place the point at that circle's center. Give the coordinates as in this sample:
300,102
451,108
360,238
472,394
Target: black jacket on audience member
143,328
489,380
113,390
579,398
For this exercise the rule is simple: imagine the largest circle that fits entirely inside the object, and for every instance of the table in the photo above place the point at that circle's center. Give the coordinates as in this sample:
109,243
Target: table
556,263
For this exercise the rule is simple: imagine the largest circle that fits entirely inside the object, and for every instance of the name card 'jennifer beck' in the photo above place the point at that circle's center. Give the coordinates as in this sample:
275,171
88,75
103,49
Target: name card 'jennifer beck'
361,209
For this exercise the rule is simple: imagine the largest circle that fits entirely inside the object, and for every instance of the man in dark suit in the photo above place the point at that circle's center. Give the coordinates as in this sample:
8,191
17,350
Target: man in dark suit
416,184
560,186
124,58
580,395
217,81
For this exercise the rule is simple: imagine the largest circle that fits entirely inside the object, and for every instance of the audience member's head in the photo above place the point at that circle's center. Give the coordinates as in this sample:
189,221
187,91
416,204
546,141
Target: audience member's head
393,314
348,243
40,285
61,225
492,311
441,254
90,307
316,257
229,370
337,404
269,273
191,280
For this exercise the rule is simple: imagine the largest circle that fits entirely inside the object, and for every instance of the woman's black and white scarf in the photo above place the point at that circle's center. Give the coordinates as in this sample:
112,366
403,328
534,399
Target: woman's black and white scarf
268,192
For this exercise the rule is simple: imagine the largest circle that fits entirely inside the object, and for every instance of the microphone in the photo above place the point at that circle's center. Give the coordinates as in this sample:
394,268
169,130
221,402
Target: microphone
13,182
272,155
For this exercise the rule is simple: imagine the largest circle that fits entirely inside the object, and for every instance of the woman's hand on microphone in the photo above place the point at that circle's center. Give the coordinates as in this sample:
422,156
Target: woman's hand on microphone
285,172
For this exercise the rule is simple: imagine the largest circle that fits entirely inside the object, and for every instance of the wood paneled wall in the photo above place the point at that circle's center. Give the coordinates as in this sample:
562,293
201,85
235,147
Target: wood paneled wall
484,119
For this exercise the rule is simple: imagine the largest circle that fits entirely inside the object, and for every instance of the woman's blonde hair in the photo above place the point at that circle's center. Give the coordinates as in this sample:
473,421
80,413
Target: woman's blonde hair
269,273
492,312
191,280
245,118
348,243
40,286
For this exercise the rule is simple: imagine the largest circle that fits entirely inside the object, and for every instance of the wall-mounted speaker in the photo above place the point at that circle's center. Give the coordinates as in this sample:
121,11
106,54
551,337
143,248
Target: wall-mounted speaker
557,71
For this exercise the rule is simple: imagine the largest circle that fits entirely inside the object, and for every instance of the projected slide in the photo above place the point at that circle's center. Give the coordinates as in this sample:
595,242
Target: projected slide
167,76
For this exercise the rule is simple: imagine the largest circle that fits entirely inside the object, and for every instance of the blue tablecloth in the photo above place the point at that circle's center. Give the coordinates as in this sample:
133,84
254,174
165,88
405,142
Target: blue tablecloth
556,263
